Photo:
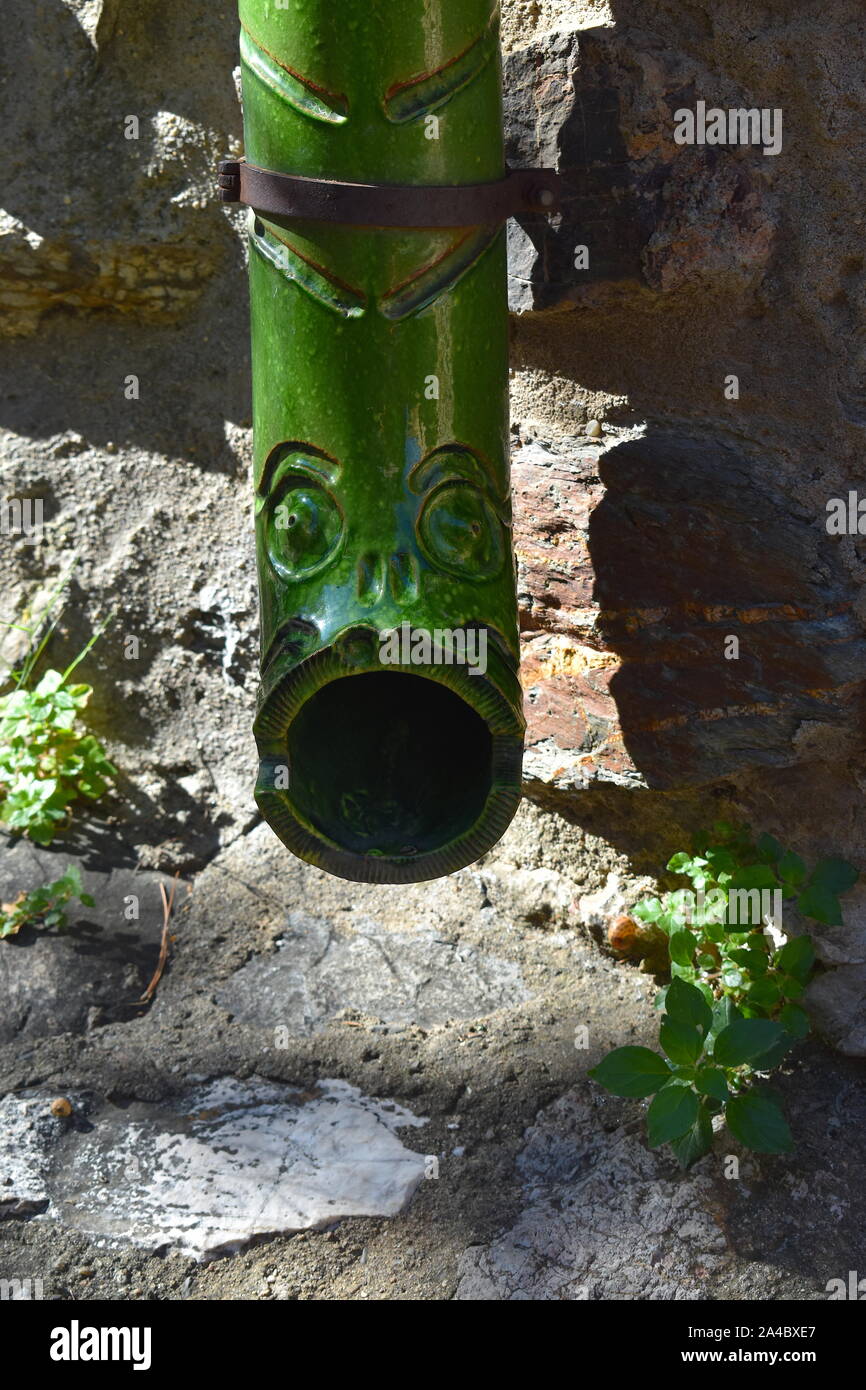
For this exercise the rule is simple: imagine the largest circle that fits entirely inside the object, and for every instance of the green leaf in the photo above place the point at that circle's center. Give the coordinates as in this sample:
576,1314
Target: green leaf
686,973
720,860
764,993
776,1054
792,869
685,1003
724,1013
682,947
706,992
745,1041
755,961
87,899
768,848
635,1072
836,875
681,1041
795,1020
682,905
679,863
759,1124
696,1141
715,931
91,785
647,910
797,957
791,988
51,681
671,1114
710,1081
822,904
713,910
754,876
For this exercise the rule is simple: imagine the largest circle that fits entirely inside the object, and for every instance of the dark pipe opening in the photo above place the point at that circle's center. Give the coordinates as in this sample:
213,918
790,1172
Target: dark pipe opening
389,763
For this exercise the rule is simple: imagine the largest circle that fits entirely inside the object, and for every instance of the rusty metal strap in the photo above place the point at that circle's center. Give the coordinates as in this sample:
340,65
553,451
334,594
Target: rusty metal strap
389,205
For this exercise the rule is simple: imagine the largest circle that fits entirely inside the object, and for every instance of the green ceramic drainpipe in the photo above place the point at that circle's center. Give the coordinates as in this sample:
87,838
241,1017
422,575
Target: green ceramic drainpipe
390,727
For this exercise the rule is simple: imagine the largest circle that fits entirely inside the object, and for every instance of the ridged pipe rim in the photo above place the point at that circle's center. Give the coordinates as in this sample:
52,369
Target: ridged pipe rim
504,721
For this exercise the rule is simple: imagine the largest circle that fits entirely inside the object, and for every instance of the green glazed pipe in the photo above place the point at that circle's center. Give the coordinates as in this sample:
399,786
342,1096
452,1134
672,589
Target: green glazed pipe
380,403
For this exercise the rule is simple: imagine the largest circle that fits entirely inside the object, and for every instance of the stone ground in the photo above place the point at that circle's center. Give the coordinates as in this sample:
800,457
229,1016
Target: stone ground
348,1092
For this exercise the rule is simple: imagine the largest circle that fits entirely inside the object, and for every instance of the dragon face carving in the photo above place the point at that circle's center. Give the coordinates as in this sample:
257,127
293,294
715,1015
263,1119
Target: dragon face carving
432,549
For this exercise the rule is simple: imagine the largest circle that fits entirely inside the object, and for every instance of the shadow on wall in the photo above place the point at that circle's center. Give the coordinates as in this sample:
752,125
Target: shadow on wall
737,621
729,612
120,262
704,260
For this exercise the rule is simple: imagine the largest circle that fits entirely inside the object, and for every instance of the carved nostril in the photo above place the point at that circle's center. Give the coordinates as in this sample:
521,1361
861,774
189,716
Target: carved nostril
404,577
371,578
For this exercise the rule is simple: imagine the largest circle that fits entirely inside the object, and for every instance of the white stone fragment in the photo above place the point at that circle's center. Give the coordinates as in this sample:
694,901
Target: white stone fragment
205,1175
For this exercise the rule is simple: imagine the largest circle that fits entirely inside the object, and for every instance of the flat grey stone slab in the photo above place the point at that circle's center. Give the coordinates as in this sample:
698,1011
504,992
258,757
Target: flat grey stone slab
319,970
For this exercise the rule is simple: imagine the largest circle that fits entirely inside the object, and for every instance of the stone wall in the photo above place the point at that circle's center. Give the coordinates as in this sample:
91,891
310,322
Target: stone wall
680,520
700,514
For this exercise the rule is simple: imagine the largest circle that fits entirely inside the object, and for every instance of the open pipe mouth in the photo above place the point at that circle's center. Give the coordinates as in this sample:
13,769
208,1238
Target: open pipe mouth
388,775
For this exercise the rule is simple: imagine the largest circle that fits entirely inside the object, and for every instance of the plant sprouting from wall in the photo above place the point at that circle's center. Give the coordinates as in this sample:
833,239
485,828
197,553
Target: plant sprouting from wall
47,760
732,1010
45,906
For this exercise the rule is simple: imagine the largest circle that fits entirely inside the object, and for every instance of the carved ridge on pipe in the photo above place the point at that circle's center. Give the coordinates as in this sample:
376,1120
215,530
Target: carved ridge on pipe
381,444
314,279
420,96
299,91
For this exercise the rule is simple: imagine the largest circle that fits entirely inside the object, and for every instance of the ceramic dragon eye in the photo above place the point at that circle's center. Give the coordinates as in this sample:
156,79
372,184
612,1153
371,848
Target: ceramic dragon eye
390,727
304,529
460,531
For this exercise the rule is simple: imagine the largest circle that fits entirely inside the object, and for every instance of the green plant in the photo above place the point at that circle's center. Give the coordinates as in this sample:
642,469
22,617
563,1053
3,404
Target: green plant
46,760
732,1010
46,904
